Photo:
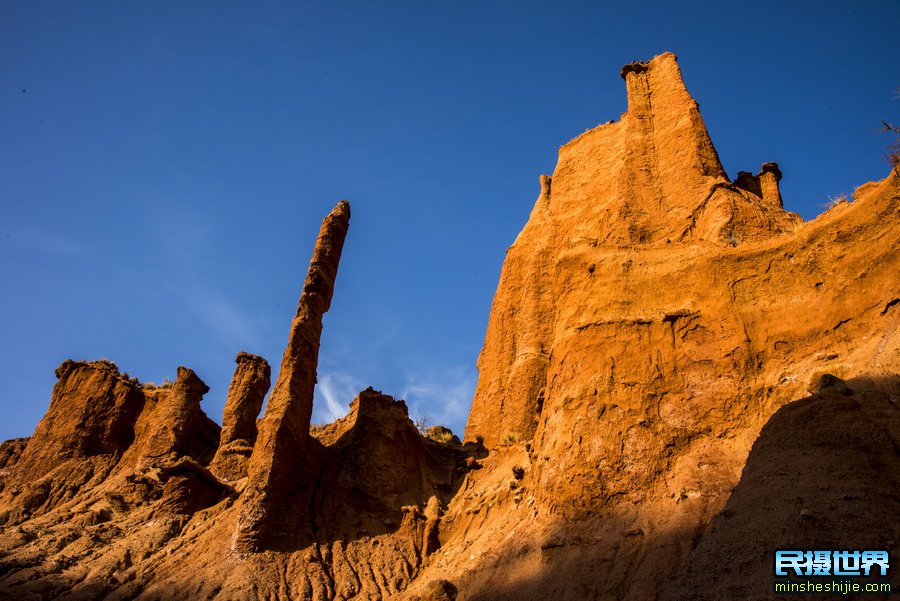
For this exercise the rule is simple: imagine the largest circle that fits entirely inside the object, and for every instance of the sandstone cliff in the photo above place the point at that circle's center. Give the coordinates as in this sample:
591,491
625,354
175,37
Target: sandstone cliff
678,377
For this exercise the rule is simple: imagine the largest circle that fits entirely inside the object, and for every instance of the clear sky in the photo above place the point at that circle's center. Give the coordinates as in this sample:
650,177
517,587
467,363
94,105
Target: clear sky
164,167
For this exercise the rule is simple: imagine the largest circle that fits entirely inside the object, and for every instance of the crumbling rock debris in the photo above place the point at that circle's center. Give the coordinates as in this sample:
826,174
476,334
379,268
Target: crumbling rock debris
439,590
830,382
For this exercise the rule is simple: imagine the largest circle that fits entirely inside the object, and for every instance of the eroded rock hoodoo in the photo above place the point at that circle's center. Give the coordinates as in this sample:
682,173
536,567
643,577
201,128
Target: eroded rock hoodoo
279,468
180,419
246,393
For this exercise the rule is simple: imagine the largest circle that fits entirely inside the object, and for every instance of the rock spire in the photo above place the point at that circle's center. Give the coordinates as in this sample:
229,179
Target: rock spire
249,386
277,465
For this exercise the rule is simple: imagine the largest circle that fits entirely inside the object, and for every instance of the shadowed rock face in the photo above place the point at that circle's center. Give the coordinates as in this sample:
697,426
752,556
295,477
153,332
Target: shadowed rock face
93,411
278,466
376,464
177,430
248,389
824,471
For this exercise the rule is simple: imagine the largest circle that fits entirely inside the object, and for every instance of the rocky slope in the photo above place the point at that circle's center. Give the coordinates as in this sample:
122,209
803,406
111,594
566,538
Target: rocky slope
678,377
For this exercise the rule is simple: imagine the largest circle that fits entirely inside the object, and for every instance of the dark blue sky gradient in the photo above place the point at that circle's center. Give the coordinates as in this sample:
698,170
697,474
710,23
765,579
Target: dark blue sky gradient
164,167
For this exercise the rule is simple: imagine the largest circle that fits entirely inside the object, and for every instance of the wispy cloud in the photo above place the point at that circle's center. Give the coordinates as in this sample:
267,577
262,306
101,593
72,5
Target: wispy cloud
187,238
233,327
334,392
441,396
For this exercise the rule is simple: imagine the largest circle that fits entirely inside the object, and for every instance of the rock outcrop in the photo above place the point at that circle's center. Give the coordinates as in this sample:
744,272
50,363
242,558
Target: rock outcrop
846,434
92,411
649,319
650,182
676,370
764,184
248,389
178,431
123,480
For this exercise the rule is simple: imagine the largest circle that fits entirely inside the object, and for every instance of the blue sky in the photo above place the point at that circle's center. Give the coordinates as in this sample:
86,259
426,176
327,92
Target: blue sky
164,167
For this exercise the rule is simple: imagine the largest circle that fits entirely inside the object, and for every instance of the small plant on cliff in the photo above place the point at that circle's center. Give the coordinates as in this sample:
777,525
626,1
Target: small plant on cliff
439,434
893,149
510,438
421,424
834,201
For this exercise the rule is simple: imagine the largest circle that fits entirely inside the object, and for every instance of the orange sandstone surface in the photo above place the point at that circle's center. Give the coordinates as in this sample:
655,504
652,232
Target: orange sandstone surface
678,378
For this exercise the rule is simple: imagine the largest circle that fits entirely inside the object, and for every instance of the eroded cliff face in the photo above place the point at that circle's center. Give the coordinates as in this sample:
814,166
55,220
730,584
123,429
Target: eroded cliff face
651,181
673,363
650,318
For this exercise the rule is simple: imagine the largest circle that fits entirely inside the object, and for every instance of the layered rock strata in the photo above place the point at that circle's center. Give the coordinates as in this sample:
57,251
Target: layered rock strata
651,180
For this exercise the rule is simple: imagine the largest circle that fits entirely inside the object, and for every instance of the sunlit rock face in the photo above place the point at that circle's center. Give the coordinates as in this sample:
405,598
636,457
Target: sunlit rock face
651,317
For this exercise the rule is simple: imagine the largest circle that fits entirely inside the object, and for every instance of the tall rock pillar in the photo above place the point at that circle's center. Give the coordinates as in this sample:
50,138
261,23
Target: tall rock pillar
249,386
272,501
769,176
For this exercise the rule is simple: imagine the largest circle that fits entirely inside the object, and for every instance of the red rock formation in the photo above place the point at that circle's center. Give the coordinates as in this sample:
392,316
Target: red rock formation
181,419
652,332
824,471
640,367
90,423
10,451
378,463
764,184
769,177
277,465
92,411
245,398
651,180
